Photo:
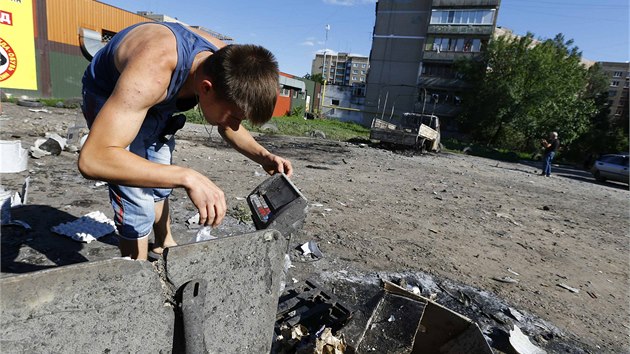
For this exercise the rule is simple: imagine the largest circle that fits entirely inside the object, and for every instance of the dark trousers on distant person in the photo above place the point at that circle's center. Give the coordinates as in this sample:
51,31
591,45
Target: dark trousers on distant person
547,163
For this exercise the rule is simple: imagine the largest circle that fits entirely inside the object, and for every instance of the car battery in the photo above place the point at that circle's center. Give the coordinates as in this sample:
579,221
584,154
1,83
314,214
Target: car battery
277,204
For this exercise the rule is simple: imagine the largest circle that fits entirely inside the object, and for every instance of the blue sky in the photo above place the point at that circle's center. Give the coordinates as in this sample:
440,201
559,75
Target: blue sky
295,30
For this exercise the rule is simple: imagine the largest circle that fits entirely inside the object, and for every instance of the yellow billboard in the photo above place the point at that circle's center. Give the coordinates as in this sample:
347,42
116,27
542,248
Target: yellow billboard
17,45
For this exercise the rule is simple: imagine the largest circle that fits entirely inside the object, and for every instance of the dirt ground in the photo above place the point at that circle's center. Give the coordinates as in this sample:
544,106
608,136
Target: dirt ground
373,211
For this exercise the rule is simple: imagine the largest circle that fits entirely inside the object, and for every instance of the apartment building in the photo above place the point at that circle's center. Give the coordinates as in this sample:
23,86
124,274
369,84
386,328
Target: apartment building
619,77
414,47
341,68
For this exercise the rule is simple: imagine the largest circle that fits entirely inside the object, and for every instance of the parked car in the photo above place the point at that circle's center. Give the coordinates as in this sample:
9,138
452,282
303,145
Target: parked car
611,167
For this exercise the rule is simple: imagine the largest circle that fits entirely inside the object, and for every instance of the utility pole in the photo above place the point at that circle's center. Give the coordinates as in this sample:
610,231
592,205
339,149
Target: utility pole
325,71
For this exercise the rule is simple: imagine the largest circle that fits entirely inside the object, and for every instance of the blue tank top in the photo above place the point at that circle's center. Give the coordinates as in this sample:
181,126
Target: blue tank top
101,75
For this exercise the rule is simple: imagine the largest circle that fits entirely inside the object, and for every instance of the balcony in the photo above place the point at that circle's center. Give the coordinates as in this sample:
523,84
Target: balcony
461,29
447,56
467,3
442,83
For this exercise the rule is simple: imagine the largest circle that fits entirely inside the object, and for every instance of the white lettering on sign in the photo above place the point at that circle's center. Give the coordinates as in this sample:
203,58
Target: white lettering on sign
6,18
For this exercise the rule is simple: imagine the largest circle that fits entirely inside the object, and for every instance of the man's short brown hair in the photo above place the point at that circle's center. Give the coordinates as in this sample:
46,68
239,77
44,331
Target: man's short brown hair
246,75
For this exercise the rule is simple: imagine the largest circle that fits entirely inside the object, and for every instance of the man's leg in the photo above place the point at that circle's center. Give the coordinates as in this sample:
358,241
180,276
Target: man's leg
162,227
549,159
133,217
545,165
136,249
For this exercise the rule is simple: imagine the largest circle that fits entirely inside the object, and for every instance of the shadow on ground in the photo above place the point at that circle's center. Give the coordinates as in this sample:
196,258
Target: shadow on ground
27,250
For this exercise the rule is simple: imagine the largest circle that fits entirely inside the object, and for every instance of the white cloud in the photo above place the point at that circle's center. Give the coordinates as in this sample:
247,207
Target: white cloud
328,52
349,2
308,43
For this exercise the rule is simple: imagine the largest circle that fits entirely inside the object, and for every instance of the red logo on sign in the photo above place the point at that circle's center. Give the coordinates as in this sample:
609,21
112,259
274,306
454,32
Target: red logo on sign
8,60
6,18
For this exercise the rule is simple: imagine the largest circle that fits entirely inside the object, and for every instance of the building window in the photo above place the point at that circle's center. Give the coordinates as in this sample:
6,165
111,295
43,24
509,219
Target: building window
617,74
295,94
362,79
363,66
612,93
354,78
285,92
438,70
453,44
335,102
355,71
462,17
362,72
355,65
625,84
614,83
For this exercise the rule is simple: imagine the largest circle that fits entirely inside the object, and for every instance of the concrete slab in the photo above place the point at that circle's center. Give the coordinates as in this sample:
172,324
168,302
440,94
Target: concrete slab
243,276
114,305
120,305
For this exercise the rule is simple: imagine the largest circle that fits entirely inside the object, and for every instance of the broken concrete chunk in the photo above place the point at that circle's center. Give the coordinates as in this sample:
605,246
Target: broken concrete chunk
52,146
62,141
269,128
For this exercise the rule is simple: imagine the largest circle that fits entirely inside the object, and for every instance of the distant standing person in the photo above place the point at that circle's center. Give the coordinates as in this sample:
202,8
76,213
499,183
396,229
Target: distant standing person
551,147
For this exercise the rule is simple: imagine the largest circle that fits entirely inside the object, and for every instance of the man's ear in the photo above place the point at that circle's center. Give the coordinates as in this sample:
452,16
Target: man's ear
206,86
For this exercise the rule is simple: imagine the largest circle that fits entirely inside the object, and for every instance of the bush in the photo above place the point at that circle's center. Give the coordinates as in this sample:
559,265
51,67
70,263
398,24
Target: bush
298,111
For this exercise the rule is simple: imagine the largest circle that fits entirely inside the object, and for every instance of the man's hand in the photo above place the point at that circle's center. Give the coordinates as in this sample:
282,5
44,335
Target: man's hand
276,164
207,197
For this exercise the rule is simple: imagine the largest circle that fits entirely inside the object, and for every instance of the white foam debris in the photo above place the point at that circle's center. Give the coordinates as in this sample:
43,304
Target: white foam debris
87,228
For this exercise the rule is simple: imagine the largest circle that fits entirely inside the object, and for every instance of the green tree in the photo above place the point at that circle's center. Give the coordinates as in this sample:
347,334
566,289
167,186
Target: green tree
523,89
315,77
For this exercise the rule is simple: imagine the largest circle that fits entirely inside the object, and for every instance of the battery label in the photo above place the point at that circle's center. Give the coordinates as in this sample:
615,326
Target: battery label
262,209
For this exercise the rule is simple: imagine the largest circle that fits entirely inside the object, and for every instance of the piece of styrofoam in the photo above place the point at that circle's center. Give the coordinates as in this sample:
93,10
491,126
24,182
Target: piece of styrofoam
86,228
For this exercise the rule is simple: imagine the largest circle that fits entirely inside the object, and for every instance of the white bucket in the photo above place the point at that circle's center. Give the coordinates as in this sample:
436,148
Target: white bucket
13,158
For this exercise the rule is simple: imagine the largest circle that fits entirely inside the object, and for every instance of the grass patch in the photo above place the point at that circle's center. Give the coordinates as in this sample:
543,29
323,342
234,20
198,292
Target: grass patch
298,126
50,102
456,146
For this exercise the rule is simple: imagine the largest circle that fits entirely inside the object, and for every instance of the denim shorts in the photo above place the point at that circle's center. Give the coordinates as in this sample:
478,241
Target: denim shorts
134,208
